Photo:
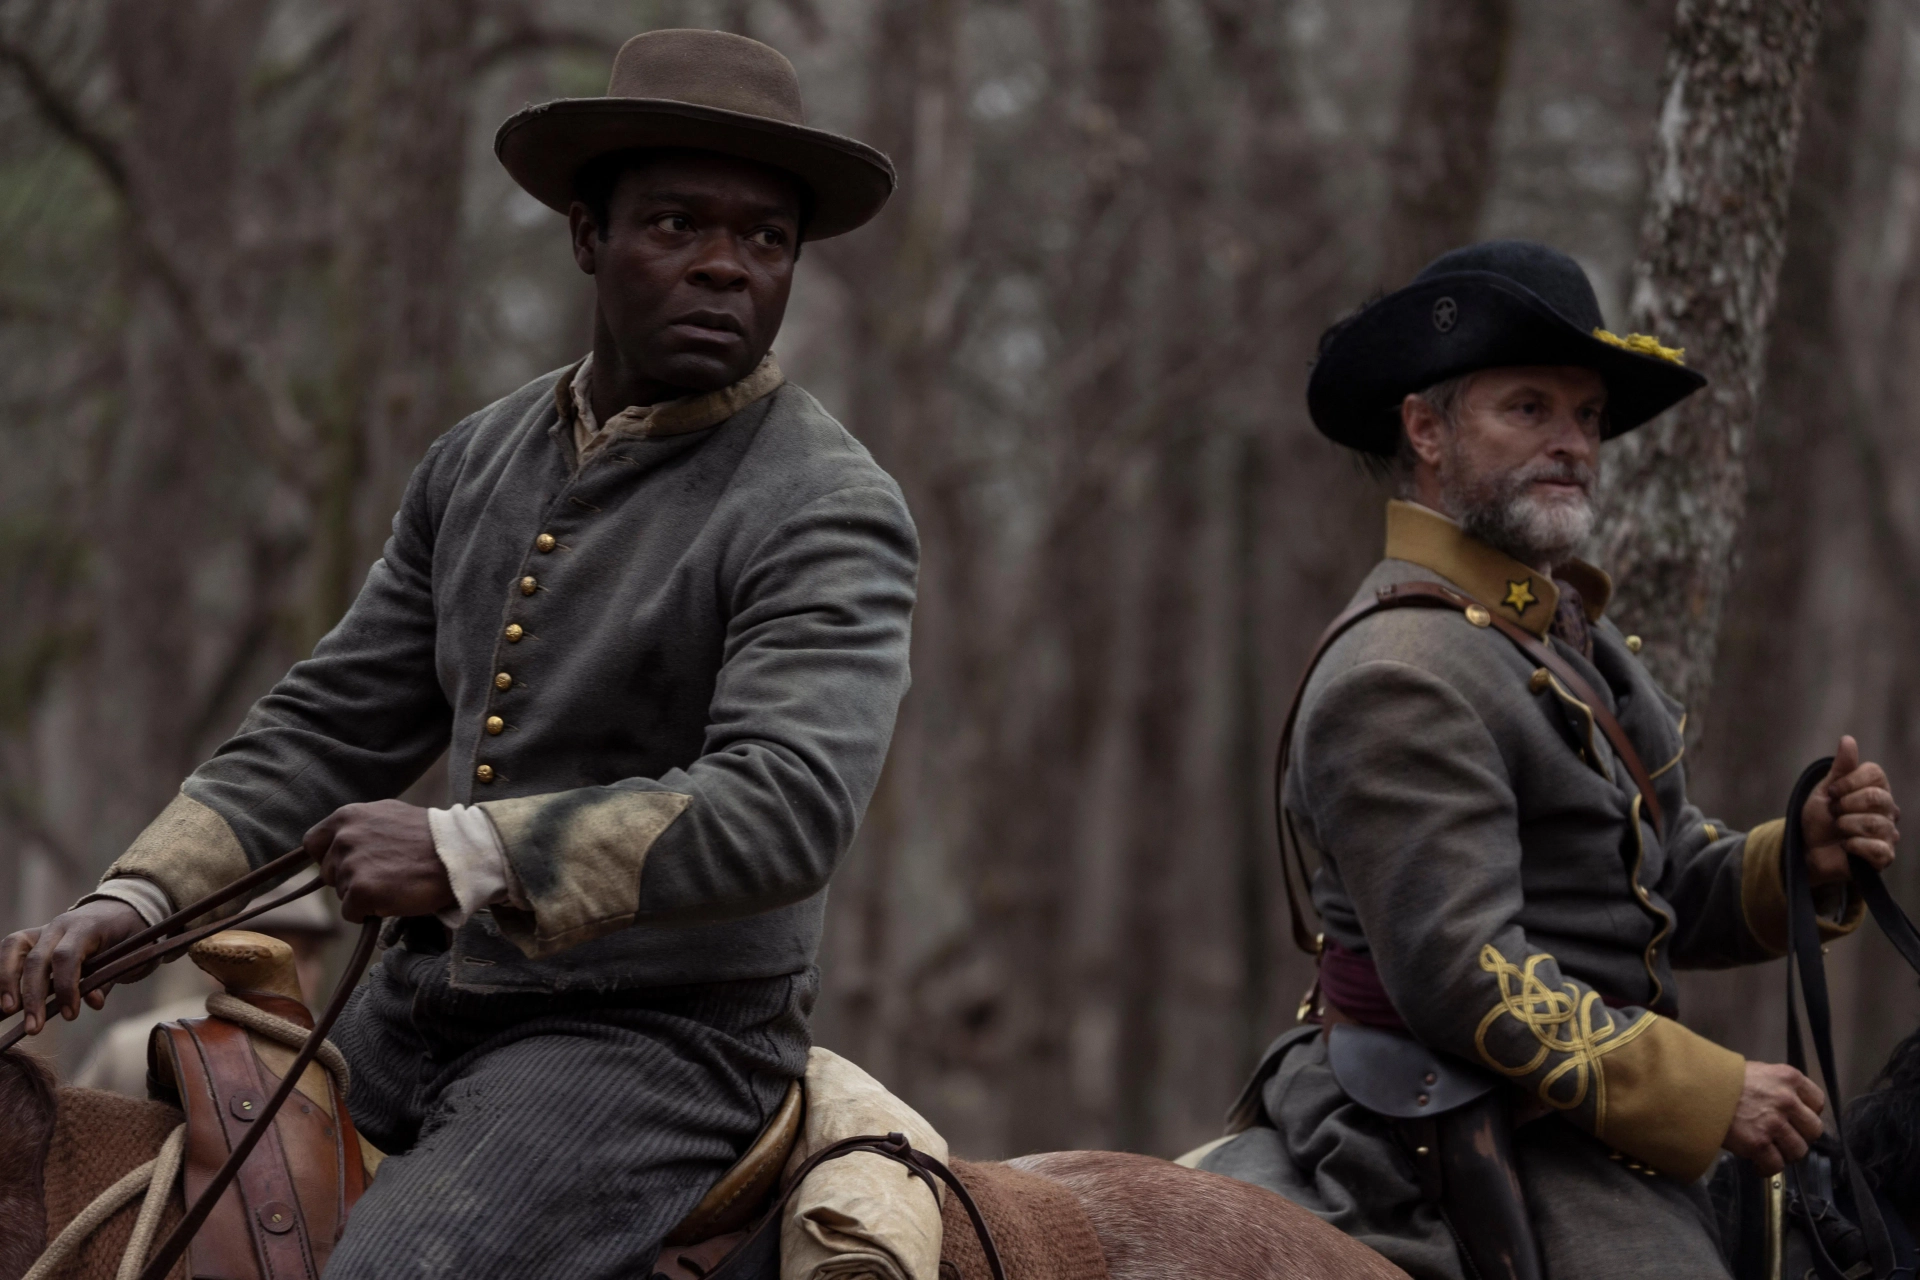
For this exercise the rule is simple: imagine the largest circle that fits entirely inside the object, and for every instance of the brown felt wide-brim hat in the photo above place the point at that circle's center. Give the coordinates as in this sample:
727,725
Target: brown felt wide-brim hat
708,91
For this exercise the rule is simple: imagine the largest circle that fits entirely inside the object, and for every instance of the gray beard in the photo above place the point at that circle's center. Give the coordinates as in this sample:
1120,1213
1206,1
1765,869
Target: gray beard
1501,510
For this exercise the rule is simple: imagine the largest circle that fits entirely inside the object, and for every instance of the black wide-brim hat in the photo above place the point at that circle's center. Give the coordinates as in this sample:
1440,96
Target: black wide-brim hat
1493,305
705,90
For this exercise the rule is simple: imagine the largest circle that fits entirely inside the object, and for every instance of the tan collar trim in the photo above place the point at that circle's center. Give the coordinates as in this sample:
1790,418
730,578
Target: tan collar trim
1594,586
1422,536
673,417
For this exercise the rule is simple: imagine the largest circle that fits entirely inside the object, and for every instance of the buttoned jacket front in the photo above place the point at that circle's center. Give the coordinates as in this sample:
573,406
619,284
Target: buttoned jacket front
669,674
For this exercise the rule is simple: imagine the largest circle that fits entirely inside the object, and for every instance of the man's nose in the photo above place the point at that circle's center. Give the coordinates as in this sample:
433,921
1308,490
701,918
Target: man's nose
718,265
1573,439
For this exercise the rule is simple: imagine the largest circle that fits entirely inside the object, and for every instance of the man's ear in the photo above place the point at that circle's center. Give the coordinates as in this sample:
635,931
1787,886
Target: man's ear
1424,429
586,237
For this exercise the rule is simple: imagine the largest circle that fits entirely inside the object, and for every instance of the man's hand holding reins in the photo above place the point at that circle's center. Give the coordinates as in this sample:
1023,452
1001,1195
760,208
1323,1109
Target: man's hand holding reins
36,961
1777,1116
1850,812
380,859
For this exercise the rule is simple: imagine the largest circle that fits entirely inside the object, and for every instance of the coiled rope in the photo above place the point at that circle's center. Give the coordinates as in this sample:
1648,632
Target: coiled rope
280,1030
157,1175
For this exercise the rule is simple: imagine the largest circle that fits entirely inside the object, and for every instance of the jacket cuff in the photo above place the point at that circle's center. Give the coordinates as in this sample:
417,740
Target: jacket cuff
1668,1098
1763,893
189,851
577,856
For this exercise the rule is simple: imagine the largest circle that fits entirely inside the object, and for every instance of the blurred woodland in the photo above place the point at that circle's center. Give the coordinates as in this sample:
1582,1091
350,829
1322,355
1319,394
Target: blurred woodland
256,254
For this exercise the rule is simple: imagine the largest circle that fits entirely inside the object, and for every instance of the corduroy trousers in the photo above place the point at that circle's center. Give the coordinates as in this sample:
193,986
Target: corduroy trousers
538,1135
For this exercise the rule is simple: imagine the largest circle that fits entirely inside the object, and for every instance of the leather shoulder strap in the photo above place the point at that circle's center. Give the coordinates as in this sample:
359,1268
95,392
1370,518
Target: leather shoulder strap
1432,595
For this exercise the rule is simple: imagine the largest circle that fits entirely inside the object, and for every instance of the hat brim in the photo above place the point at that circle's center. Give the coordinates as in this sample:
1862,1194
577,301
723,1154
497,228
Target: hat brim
1395,347
544,146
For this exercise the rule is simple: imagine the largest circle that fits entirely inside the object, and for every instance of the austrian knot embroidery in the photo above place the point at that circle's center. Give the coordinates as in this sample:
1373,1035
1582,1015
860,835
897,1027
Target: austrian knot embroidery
1564,1021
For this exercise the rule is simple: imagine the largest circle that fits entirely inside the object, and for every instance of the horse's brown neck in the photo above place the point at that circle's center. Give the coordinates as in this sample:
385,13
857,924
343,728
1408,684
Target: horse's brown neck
26,1130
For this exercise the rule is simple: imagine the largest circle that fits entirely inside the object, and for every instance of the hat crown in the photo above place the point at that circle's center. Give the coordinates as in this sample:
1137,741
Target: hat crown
1550,275
709,69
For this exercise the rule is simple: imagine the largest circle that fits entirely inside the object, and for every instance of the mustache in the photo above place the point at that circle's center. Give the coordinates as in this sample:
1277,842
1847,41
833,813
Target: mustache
1556,471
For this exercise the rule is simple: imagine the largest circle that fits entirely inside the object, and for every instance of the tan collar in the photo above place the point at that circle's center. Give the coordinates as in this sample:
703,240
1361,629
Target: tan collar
1420,535
669,417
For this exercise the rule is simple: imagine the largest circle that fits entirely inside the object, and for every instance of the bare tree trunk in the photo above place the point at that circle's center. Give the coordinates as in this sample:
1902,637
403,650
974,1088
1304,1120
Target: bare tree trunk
181,69
1441,163
1759,712
1715,232
402,169
892,1002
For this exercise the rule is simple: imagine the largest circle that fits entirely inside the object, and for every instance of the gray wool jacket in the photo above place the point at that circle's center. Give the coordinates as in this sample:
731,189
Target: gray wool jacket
668,673
1483,845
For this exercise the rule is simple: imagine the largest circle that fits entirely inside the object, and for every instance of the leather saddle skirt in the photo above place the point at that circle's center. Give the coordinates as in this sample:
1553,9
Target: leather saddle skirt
282,1215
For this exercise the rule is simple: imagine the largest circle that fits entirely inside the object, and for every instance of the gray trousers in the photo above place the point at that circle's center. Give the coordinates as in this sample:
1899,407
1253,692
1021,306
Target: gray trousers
1595,1218
561,1136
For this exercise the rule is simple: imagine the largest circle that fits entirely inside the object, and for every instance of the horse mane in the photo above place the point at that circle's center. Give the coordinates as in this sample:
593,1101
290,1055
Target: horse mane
1883,1128
26,1131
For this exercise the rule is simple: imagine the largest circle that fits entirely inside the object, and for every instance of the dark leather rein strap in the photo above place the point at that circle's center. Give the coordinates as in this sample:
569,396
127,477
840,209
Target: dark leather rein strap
158,942
1432,595
170,937
1804,960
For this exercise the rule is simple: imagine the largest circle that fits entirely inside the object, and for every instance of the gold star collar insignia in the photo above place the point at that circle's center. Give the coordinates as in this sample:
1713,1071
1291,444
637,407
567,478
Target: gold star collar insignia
1520,596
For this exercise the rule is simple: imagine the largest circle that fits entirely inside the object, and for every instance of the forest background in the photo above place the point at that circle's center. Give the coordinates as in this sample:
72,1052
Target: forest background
256,254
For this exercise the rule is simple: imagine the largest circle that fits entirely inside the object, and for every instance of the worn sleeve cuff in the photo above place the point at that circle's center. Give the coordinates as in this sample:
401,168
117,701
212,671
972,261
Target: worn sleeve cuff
1763,893
1667,1098
577,856
189,851
138,892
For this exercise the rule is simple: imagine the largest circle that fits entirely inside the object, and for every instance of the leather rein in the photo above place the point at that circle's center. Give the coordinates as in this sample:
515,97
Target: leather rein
1432,595
1805,964
172,936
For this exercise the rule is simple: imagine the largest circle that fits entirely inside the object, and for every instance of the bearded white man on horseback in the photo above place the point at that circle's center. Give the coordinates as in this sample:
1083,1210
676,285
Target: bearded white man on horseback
654,607
1497,1082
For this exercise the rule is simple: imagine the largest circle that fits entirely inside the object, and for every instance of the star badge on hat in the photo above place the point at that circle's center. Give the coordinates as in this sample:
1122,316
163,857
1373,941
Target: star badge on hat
1520,595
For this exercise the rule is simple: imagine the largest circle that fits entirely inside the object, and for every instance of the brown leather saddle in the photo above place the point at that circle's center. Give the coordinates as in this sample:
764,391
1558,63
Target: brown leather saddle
720,1223
287,1206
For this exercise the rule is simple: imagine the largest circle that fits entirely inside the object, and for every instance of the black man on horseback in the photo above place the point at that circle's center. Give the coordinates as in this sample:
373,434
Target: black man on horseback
654,608
1510,868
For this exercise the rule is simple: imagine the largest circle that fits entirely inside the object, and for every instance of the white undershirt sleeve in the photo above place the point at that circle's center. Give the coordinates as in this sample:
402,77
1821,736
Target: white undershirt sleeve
476,862
138,892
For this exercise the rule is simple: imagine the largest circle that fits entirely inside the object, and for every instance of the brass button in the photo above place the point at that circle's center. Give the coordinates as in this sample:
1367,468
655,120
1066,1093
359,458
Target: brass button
1539,680
495,724
1478,616
514,632
484,773
546,542
1634,643
528,585
503,682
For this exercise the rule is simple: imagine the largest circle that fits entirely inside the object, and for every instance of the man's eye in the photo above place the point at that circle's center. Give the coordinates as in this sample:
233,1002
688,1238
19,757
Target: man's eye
768,238
673,222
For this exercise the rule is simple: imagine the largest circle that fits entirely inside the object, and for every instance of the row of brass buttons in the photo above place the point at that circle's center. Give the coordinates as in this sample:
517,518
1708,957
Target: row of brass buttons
494,725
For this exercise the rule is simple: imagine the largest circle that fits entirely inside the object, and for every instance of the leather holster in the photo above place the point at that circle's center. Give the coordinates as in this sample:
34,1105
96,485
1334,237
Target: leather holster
1455,1123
